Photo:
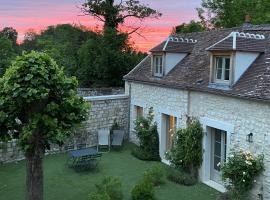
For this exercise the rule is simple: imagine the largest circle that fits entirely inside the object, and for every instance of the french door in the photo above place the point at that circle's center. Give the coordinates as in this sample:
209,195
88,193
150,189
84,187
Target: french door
218,153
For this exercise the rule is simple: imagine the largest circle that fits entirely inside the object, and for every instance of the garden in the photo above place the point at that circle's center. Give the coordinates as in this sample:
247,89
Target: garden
61,182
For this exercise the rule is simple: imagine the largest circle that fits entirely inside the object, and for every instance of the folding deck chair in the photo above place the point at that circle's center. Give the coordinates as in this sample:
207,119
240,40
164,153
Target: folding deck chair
104,139
118,138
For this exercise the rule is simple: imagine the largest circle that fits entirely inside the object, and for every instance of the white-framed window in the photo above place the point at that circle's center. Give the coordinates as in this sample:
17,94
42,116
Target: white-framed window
222,68
158,65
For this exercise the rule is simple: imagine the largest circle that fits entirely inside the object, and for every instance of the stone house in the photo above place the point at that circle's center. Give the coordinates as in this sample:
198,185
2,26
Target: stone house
222,78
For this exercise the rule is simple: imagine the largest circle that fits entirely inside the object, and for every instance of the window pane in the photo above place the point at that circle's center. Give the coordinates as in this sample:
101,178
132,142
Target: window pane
219,74
227,63
218,68
217,161
227,69
227,75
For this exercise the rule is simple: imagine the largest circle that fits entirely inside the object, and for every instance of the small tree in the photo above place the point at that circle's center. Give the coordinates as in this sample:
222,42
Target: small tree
38,106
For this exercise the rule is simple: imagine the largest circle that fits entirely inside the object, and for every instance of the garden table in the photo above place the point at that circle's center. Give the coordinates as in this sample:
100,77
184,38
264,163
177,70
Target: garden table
82,156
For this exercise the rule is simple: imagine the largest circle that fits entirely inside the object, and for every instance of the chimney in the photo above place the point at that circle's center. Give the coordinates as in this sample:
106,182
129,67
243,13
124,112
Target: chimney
247,23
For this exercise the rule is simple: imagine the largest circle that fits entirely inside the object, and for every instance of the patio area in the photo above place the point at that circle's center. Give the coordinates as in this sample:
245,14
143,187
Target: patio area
62,182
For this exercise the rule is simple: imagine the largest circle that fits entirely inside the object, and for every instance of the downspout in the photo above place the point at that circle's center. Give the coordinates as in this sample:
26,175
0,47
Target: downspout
129,108
188,108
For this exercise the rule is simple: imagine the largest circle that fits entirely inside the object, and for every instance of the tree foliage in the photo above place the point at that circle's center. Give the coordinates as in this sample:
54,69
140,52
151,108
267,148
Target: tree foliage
231,13
36,95
114,13
6,54
61,42
190,27
10,33
106,58
38,106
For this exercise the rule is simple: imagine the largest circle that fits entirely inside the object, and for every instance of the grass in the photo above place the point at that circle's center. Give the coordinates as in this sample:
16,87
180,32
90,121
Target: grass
62,182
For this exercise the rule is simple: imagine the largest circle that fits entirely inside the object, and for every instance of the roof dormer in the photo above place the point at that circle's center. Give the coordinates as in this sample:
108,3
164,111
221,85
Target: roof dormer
232,56
169,53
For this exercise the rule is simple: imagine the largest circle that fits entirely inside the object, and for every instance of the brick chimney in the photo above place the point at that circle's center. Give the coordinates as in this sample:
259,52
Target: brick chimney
247,22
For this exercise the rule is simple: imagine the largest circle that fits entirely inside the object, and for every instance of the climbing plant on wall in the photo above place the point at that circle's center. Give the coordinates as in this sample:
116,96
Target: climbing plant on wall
147,133
186,151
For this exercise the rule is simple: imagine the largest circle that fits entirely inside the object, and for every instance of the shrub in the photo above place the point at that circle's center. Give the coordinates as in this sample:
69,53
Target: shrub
180,177
155,175
96,196
186,152
142,154
240,171
110,188
147,134
144,190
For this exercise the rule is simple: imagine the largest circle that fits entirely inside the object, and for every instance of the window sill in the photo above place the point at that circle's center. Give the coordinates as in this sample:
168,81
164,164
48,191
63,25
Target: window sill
219,86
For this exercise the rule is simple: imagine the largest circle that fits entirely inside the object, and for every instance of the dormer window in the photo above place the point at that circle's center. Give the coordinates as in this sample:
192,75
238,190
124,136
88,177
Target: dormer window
222,69
158,65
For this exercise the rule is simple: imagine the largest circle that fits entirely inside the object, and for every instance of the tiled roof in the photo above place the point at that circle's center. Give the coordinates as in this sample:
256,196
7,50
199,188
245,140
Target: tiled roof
193,72
247,44
175,45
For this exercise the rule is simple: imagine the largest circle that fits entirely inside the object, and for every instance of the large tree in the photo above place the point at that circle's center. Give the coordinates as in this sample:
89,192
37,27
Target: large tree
106,59
231,13
6,54
38,106
114,13
190,27
10,33
61,42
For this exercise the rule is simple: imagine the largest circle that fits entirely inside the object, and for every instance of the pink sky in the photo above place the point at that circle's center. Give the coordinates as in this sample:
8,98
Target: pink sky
38,14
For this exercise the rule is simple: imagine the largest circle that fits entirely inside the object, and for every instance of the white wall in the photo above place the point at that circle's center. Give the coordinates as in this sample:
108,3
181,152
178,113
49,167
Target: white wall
242,62
244,116
172,59
164,101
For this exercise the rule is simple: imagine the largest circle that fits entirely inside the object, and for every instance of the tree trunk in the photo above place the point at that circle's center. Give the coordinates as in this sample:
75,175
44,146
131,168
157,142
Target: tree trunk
34,173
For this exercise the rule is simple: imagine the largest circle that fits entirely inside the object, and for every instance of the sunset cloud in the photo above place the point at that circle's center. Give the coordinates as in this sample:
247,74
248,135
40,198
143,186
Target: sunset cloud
28,14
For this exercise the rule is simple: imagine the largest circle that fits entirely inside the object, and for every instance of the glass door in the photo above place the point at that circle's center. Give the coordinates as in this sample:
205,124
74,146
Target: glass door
170,129
218,153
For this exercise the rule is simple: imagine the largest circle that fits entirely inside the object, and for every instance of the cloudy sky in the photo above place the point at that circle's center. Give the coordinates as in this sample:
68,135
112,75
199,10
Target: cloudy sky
38,14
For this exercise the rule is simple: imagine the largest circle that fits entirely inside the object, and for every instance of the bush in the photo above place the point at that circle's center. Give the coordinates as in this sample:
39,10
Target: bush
240,171
142,154
186,151
155,175
180,177
110,188
144,190
102,196
147,134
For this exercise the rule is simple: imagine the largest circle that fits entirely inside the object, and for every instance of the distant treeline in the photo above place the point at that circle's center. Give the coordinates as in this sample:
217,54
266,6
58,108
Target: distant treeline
96,59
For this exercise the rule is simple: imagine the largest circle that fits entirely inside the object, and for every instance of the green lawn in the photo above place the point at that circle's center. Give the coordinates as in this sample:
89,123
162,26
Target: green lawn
62,183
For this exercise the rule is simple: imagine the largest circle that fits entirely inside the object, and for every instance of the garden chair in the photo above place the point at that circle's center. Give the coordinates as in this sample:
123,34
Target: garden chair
118,138
104,139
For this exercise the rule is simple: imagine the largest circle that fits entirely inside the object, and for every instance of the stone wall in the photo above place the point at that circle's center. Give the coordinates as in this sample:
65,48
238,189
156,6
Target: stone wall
86,92
242,116
104,110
